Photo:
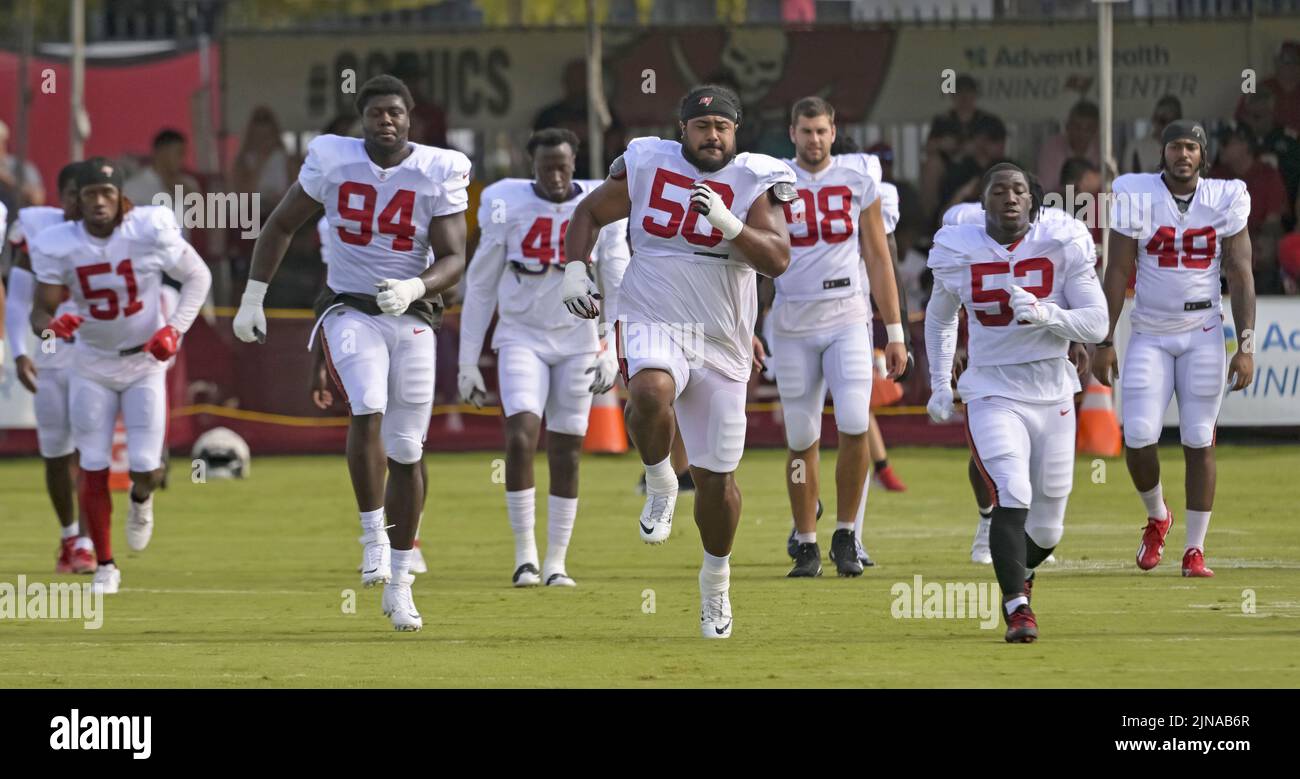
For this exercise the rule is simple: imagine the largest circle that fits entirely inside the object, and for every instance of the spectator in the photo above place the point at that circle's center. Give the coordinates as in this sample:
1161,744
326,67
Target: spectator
1239,159
1081,181
570,113
987,146
1142,155
164,173
1288,252
262,164
964,115
943,148
1279,146
1285,86
1078,140
33,191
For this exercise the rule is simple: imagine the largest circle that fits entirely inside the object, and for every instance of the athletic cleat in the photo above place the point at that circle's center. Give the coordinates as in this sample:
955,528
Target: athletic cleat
66,548
560,579
1050,559
715,616
418,565
807,562
656,521
844,553
1194,565
1022,627
376,558
1029,586
400,607
979,549
1153,540
526,576
107,580
139,523
791,544
863,557
887,479
83,557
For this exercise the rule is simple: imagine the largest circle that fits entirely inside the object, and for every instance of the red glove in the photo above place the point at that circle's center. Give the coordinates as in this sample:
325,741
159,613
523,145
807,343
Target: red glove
65,325
164,343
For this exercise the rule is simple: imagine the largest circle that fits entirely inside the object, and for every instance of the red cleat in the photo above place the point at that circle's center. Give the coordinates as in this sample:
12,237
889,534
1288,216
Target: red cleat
66,550
1029,587
1153,540
1022,627
83,560
1194,565
885,478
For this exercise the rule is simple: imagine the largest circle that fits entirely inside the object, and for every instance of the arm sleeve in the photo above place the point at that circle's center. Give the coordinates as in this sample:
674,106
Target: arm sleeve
480,295
453,190
312,176
1086,318
612,257
18,309
195,278
1238,210
941,334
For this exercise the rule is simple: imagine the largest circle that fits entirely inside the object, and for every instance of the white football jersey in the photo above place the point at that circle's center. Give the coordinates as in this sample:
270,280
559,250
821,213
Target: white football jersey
1006,358
379,218
889,206
32,221
529,297
1178,255
973,214
682,273
115,282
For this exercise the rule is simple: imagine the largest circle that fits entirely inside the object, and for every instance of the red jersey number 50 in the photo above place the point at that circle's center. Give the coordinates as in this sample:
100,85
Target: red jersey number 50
680,217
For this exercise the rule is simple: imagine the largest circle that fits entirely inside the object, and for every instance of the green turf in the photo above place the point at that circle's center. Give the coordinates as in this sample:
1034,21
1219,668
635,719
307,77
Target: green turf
244,585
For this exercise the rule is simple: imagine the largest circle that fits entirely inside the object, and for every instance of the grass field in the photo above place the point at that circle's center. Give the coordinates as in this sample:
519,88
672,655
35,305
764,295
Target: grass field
244,585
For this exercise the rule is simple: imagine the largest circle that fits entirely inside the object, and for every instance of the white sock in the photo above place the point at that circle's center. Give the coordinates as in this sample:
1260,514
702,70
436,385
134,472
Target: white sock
372,520
1015,603
862,510
845,526
522,511
401,563
806,538
71,531
83,542
660,478
715,574
1198,523
1154,500
560,515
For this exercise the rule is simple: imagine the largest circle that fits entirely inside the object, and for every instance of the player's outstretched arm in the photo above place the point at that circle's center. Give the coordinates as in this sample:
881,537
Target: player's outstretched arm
480,296
1237,263
940,346
884,287
268,251
447,240
1121,259
608,203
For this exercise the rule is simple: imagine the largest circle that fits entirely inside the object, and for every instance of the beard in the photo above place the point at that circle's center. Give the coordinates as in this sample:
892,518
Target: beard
707,165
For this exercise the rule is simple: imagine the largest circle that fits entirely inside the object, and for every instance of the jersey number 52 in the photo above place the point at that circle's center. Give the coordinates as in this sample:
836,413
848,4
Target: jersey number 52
979,294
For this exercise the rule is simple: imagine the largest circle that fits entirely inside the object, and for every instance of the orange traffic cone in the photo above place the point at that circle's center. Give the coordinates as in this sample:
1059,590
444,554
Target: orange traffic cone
1098,427
606,433
119,467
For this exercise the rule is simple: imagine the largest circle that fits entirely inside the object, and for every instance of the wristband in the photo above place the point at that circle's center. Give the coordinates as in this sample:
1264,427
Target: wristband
255,291
894,332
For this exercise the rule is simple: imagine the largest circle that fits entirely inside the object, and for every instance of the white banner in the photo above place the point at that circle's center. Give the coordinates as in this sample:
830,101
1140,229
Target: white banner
1273,398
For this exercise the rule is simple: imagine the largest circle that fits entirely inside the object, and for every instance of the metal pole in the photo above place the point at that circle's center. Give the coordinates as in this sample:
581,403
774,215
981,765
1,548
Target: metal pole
79,128
24,98
596,111
1105,48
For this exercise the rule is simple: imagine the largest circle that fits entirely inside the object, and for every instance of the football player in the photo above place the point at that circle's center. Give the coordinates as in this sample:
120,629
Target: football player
1029,288
821,326
111,262
46,374
1179,228
703,221
548,362
389,201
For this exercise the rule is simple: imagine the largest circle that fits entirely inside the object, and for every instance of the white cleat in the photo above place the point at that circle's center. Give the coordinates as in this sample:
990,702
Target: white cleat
139,523
715,616
376,559
560,579
1049,560
979,550
417,560
400,607
656,522
107,580
526,576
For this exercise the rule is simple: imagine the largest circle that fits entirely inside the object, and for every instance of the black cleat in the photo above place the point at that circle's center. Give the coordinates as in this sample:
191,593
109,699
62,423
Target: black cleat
791,544
844,553
807,561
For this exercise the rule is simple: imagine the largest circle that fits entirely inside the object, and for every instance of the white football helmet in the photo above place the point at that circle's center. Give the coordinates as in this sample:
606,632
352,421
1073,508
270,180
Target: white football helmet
224,453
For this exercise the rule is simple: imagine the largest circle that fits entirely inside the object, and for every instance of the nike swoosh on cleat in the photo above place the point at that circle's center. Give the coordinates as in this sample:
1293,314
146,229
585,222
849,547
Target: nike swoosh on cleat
371,570
723,629
646,530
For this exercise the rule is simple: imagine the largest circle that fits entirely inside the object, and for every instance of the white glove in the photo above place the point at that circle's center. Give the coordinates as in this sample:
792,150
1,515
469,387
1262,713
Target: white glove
940,405
396,296
1027,308
472,388
604,368
707,202
580,293
250,320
